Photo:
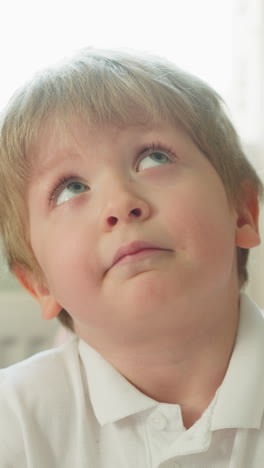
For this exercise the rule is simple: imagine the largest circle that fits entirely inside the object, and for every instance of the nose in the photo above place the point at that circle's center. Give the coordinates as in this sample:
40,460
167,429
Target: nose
124,207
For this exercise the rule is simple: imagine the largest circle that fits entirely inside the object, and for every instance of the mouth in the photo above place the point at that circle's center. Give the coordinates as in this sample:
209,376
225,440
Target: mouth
137,255
133,252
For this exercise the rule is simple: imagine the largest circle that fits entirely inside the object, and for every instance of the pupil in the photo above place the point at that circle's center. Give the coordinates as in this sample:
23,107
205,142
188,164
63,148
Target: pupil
76,186
159,155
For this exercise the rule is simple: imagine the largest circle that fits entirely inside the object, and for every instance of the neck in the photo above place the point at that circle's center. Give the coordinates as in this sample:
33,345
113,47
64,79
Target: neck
186,365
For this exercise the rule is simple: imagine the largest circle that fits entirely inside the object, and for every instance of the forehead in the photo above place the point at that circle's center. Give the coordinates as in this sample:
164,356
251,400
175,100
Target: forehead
58,139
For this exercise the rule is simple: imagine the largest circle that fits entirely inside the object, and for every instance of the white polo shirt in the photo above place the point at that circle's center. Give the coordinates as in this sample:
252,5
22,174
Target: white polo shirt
69,408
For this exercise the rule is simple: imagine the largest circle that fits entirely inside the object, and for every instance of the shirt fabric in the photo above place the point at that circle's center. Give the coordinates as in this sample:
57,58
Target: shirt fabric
69,408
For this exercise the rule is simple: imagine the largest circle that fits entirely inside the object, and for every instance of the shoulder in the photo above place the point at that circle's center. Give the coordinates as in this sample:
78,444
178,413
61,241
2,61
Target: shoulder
38,397
44,370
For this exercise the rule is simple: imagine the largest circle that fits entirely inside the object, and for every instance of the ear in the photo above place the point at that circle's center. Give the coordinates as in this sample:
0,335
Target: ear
247,228
49,306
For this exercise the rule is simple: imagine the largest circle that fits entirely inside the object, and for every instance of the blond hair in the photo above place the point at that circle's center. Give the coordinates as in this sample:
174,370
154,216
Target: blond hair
111,87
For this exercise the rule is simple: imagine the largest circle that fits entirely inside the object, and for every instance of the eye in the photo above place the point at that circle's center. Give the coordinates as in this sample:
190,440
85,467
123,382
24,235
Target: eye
66,189
156,157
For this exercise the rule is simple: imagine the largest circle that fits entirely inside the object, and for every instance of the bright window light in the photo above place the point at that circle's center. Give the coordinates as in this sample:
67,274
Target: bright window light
195,34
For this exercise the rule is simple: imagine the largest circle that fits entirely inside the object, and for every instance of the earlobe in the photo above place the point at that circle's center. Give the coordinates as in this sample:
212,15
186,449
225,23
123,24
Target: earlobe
49,306
247,237
247,230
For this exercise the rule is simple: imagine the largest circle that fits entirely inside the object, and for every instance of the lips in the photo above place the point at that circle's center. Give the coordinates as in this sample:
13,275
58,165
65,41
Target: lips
132,248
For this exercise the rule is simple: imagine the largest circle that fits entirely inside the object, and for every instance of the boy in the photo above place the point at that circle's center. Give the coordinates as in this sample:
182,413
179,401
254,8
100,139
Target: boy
127,211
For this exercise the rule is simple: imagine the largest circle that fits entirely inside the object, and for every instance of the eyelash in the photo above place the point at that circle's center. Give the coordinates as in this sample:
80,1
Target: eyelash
157,146
64,180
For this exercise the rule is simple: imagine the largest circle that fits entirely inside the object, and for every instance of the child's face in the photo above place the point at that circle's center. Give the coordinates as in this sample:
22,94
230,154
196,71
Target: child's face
107,191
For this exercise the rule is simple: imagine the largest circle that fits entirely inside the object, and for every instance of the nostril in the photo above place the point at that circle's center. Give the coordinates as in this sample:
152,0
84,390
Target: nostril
136,212
112,220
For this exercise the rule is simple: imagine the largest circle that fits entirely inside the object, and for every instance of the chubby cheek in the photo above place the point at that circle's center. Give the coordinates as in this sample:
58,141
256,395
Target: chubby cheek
203,226
67,265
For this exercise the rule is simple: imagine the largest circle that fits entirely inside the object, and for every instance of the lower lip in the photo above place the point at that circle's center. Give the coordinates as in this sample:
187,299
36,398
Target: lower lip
138,255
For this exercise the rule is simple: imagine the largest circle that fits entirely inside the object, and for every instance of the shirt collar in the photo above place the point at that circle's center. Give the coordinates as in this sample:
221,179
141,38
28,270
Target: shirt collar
240,398
112,396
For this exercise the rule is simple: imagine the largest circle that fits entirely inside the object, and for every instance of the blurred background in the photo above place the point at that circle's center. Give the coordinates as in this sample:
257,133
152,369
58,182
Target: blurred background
222,42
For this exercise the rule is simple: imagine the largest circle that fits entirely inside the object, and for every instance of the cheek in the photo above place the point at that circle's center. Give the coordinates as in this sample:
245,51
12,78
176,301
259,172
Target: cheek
64,257
203,225
71,279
